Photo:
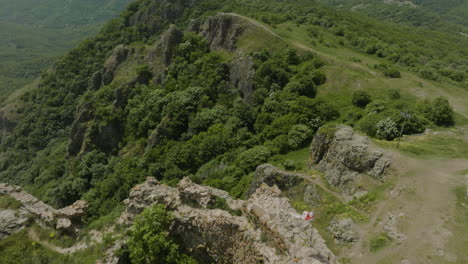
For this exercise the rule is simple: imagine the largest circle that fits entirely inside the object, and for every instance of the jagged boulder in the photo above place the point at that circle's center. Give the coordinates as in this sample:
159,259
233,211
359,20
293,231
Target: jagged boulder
342,230
74,211
344,156
12,221
220,31
263,229
119,55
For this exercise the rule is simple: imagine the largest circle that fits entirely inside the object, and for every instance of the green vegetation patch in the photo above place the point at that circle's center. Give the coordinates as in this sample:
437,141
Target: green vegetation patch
431,146
17,248
6,202
379,242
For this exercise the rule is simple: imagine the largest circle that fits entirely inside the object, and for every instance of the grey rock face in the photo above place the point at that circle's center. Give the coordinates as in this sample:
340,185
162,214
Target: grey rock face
271,176
342,230
6,125
265,228
345,156
169,41
157,14
390,225
67,218
241,73
311,195
220,31
119,55
12,221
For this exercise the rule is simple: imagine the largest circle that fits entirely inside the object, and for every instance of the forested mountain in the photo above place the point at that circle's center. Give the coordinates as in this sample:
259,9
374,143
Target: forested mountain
34,33
211,90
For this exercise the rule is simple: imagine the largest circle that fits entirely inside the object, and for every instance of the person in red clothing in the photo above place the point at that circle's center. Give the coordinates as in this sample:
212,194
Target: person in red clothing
308,215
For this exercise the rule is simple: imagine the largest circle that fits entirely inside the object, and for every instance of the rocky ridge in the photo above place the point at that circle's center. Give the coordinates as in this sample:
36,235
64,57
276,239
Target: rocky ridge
263,229
67,218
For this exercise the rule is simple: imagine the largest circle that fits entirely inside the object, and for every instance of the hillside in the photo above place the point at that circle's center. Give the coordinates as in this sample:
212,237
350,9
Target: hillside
445,16
205,93
34,33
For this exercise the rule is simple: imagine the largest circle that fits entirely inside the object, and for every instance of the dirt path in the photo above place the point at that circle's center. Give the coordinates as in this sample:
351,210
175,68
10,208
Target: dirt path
424,205
96,237
301,45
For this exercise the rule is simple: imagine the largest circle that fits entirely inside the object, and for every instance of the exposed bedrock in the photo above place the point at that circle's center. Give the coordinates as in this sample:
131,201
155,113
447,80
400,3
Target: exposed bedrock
344,156
262,229
67,218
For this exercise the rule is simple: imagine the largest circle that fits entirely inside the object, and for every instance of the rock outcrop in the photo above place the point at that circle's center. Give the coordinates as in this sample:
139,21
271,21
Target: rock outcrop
342,230
344,156
12,221
242,73
220,31
284,180
271,176
119,55
216,228
67,218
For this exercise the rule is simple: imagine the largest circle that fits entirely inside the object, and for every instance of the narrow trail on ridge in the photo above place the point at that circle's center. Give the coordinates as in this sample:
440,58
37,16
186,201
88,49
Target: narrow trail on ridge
97,237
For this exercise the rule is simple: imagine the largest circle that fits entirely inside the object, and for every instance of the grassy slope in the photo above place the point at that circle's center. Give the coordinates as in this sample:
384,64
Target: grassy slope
444,150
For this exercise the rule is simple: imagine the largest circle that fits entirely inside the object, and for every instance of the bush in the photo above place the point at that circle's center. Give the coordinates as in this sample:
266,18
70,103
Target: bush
368,124
250,159
387,129
361,99
388,71
394,94
428,74
439,112
150,241
299,135
376,107
379,242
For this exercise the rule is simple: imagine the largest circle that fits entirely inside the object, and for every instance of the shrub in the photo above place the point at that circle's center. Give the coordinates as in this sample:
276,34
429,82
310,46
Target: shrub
392,73
387,129
150,241
250,159
299,135
428,74
394,94
439,112
368,124
388,71
361,98
144,75
376,107
379,242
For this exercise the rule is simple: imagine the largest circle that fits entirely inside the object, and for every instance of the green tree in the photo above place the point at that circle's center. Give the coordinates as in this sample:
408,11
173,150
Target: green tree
299,135
439,112
361,98
150,241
